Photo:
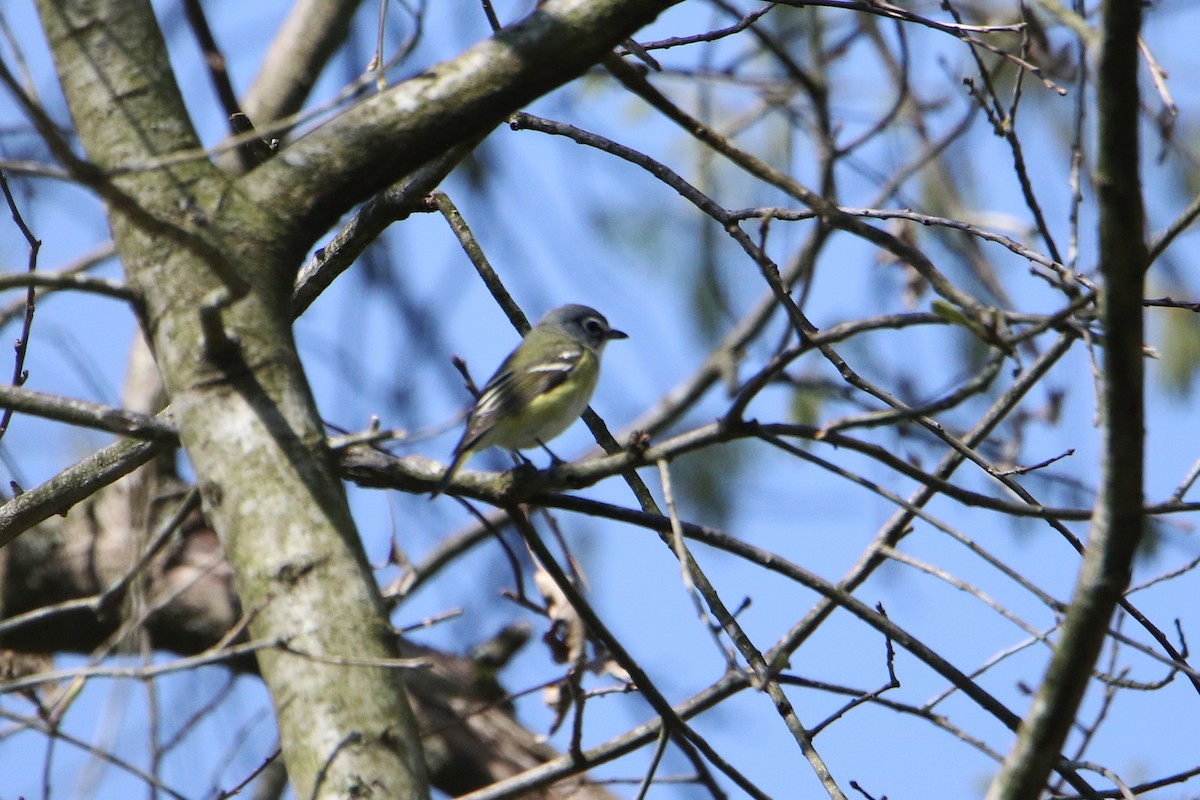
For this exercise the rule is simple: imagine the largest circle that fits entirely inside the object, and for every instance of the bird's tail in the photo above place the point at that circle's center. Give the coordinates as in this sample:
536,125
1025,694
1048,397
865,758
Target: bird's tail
451,471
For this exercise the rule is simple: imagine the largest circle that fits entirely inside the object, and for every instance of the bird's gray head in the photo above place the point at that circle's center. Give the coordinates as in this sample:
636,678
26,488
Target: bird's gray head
583,323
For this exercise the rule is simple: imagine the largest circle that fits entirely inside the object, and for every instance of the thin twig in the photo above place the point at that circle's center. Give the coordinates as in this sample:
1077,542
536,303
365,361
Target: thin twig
20,374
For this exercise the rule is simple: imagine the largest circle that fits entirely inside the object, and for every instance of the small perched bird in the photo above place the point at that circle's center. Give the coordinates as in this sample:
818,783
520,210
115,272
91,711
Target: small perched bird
540,389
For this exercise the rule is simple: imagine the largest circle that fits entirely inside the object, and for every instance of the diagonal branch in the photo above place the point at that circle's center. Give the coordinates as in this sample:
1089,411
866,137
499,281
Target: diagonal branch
368,147
74,484
303,45
1119,521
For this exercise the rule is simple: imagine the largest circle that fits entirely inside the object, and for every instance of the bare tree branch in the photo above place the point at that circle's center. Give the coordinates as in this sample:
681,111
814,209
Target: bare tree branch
371,145
1119,523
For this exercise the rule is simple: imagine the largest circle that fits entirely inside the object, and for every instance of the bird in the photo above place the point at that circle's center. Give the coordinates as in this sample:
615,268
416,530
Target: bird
540,389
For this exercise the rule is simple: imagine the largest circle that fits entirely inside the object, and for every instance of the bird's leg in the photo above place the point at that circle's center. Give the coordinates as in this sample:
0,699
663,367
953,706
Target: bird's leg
555,461
522,463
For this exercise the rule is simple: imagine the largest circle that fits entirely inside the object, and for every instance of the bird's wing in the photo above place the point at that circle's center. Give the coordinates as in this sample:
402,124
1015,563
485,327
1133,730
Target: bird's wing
511,390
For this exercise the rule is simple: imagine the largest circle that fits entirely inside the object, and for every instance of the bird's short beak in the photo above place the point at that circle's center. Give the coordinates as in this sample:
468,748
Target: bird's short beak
616,334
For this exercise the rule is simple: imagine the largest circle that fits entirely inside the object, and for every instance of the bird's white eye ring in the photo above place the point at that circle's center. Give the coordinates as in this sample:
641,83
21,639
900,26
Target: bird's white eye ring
593,326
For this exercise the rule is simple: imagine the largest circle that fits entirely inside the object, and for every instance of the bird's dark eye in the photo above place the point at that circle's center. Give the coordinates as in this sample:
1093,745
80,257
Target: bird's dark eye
593,326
